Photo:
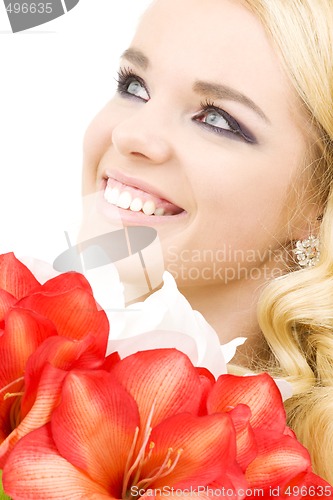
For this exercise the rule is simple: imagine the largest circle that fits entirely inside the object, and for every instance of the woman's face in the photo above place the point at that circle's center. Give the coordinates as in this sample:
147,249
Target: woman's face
203,132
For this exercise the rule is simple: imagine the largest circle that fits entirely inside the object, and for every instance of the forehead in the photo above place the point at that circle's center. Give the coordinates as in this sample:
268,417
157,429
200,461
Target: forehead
206,28
218,40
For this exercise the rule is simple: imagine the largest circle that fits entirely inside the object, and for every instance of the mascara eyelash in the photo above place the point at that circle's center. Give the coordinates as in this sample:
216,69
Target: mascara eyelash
124,77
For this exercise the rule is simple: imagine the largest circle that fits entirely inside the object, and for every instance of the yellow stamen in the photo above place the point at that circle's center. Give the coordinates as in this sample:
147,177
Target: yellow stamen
20,379
166,468
151,447
12,395
15,407
130,455
143,461
142,458
128,471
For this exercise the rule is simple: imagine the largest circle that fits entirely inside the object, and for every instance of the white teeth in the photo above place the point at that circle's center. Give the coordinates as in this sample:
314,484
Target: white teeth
136,205
149,207
112,195
124,200
159,211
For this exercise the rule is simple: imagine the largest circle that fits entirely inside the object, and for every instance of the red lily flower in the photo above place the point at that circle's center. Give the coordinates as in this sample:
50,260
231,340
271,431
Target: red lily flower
140,430
62,313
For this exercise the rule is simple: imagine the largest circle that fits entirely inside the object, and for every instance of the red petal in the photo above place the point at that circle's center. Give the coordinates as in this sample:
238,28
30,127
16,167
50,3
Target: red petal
207,382
74,313
203,372
312,479
22,335
279,460
24,332
15,277
7,300
65,282
64,354
164,378
233,486
36,470
94,427
246,443
110,361
45,400
308,485
259,392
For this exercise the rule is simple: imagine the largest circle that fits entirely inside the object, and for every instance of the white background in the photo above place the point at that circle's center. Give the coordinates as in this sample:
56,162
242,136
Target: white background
54,79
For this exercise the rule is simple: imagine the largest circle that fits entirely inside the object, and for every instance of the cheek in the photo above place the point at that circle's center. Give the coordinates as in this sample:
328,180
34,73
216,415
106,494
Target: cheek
243,199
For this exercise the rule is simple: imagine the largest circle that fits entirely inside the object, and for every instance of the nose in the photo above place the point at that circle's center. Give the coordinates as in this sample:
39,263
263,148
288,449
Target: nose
143,135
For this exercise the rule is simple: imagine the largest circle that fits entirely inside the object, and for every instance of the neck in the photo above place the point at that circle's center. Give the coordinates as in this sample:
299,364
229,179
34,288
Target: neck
230,309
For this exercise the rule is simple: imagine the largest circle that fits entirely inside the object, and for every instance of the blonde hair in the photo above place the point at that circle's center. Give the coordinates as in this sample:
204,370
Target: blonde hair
296,312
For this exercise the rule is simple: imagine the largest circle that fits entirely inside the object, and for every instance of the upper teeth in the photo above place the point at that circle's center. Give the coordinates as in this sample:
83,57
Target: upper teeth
123,199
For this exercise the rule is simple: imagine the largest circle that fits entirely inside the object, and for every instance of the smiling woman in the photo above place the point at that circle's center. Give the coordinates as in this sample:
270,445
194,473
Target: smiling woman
206,145
220,138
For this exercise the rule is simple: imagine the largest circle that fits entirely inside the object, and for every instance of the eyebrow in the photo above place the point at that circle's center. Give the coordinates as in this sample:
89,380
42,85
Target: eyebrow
217,91
136,57
207,89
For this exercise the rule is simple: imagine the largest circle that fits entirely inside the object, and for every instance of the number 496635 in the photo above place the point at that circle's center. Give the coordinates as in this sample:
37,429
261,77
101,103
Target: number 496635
29,8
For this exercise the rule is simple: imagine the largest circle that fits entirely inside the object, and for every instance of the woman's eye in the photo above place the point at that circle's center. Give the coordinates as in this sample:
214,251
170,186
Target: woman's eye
137,89
130,84
215,119
219,121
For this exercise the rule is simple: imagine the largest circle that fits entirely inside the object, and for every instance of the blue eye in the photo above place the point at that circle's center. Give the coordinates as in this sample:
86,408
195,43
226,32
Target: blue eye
131,85
219,121
215,119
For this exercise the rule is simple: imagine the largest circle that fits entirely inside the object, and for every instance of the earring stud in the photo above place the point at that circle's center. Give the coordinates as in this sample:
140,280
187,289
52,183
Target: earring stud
307,251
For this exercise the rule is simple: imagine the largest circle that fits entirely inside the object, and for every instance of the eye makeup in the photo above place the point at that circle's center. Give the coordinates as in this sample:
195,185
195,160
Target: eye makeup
228,124
131,85
125,78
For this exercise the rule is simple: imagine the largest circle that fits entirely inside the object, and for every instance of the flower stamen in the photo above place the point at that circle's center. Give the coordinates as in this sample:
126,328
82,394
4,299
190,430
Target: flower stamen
20,379
142,458
15,407
164,470
143,462
12,395
141,454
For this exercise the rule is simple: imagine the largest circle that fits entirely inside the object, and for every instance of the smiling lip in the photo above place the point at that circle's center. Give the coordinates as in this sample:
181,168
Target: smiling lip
136,197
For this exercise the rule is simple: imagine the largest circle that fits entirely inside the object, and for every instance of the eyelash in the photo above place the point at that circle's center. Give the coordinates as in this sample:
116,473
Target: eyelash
126,76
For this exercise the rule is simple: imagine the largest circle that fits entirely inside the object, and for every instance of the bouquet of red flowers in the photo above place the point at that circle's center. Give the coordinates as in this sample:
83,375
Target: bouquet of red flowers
78,425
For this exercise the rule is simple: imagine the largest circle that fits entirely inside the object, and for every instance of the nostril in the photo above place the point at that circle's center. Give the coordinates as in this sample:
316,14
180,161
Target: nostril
139,155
